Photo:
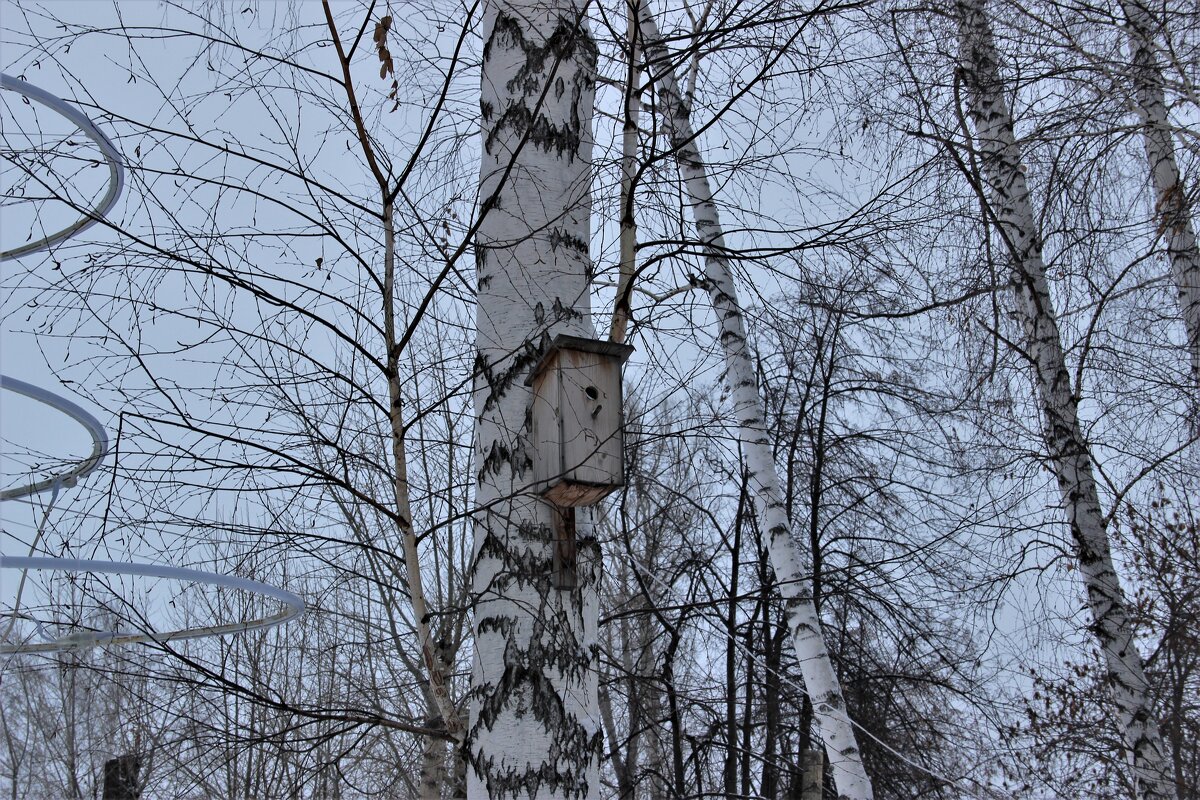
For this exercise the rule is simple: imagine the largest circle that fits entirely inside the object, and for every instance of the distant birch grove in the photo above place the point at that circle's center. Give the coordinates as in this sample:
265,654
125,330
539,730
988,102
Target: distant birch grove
906,300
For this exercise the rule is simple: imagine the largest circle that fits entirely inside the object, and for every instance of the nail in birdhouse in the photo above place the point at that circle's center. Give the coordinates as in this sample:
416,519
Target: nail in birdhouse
578,420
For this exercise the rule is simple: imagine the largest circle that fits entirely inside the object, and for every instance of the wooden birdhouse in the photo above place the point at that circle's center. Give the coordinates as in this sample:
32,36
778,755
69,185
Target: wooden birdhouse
578,419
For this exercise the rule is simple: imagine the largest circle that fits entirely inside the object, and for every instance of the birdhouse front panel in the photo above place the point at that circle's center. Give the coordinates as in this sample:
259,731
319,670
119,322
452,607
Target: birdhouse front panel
577,420
590,392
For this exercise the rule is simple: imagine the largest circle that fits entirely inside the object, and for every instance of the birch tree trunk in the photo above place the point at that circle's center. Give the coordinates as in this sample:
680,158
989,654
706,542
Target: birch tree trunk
433,766
1013,215
436,685
534,729
804,625
437,688
1172,207
628,239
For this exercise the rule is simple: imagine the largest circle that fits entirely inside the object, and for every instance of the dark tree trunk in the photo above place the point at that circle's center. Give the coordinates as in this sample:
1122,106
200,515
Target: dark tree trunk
121,778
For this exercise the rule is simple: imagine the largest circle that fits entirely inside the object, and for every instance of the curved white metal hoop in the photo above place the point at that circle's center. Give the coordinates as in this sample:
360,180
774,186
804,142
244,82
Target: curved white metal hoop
90,423
41,628
293,605
116,167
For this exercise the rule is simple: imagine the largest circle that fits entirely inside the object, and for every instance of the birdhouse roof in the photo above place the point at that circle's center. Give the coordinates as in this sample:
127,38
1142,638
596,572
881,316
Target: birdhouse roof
564,341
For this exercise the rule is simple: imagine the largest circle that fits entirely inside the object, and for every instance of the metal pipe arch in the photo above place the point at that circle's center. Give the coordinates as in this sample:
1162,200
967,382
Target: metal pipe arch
116,165
293,605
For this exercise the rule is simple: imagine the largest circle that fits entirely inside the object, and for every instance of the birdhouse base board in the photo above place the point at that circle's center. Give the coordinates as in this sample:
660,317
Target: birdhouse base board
568,494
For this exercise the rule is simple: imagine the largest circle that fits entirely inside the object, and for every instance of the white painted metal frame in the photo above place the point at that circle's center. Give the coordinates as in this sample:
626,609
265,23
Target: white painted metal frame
75,412
116,168
293,605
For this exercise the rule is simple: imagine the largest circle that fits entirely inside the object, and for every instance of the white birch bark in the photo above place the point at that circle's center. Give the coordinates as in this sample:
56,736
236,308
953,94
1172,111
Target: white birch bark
433,768
435,666
534,729
621,310
1013,214
804,625
1172,207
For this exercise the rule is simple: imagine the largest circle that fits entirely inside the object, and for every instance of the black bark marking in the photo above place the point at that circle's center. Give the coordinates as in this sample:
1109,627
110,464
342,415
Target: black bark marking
523,687
568,42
